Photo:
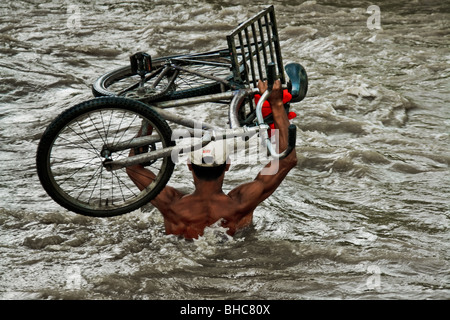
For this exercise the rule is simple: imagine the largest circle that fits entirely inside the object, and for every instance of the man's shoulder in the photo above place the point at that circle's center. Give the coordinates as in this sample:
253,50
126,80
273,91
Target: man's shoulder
167,197
247,190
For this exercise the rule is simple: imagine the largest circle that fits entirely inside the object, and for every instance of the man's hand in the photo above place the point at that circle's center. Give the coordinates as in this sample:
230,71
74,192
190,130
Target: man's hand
276,97
281,120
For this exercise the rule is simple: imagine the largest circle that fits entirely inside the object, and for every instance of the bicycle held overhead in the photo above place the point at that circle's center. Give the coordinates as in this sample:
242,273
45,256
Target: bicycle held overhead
83,155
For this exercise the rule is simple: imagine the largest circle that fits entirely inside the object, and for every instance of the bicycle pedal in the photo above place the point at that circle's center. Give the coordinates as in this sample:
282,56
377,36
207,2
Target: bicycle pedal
141,63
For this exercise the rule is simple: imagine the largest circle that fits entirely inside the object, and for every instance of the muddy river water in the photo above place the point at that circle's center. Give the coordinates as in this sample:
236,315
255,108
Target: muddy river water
364,215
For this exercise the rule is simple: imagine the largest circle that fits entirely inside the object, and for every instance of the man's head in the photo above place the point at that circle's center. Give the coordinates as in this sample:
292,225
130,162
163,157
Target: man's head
211,161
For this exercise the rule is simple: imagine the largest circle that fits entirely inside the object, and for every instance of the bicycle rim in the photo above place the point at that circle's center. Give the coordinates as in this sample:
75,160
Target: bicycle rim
71,162
184,86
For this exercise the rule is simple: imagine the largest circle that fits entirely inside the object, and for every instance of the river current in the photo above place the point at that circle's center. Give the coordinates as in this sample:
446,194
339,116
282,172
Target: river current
364,215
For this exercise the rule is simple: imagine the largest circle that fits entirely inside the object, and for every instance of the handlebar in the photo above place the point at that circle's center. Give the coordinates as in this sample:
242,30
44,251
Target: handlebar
240,97
271,75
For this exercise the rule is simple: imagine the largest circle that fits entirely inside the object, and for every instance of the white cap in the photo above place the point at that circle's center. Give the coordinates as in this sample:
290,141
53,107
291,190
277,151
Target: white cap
212,155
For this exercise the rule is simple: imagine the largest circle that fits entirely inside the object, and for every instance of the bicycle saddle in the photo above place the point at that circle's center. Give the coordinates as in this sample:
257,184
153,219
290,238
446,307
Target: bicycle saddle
298,81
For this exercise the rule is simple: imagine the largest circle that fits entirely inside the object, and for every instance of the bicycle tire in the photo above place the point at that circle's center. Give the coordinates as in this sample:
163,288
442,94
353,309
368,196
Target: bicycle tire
190,86
70,163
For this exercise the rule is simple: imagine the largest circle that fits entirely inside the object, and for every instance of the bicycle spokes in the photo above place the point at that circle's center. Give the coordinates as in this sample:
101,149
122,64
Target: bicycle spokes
82,150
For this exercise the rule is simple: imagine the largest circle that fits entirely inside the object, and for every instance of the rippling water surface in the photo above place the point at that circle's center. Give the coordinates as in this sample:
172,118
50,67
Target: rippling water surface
364,215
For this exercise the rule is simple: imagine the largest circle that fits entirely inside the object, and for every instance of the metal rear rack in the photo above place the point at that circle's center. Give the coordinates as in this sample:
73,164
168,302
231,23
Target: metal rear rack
252,46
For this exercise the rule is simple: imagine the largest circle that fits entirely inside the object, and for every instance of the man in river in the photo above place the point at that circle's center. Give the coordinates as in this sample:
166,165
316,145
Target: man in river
187,215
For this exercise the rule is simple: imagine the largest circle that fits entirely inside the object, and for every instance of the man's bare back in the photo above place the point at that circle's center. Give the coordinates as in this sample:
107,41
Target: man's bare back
179,219
188,215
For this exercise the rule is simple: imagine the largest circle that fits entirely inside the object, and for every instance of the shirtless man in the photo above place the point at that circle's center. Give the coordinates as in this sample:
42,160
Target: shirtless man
187,215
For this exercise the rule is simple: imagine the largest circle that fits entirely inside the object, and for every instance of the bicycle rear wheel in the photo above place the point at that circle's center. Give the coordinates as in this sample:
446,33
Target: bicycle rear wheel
72,152
185,85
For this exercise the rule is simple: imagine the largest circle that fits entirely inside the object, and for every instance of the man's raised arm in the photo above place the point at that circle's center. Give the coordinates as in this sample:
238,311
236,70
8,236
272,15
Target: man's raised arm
268,180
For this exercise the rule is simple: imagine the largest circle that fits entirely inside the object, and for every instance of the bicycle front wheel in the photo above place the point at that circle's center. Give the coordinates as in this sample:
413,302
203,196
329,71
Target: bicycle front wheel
189,82
72,154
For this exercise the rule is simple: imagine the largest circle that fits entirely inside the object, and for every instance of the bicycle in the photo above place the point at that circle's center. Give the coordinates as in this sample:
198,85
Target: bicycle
83,154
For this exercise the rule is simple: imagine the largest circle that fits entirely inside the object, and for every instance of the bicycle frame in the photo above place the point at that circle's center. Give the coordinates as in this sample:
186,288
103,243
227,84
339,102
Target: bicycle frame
209,133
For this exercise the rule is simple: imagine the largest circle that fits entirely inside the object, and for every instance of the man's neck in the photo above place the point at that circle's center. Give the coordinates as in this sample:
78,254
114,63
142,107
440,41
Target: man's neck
205,188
